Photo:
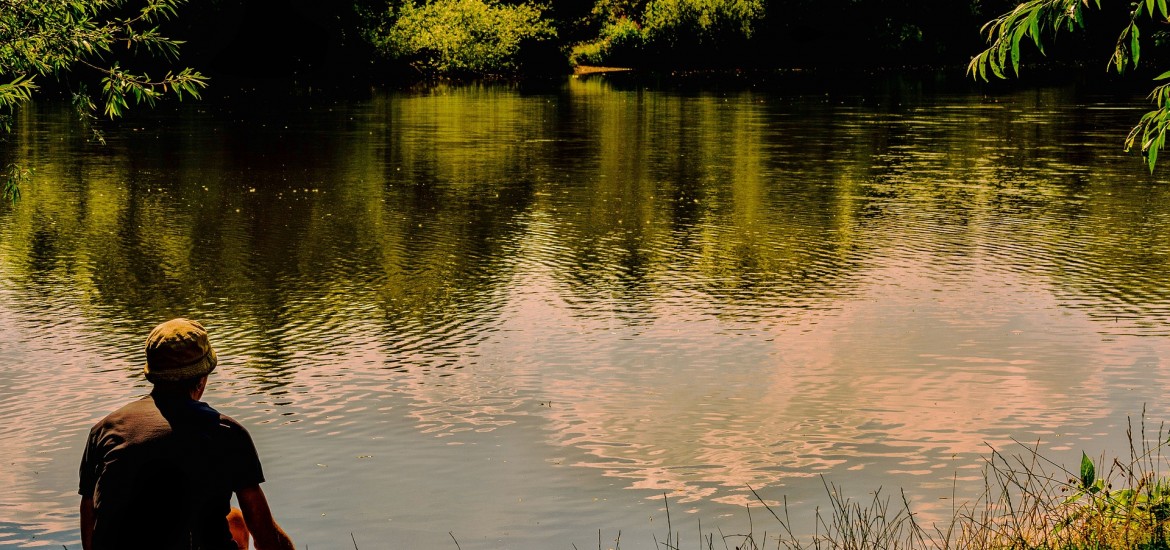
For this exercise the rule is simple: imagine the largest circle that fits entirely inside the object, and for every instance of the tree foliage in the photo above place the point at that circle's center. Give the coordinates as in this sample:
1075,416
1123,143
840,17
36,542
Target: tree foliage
636,31
1036,21
461,36
73,41
701,21
618,42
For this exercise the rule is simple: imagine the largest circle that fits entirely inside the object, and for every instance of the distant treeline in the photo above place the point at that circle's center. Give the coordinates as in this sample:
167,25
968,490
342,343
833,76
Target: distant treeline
362,39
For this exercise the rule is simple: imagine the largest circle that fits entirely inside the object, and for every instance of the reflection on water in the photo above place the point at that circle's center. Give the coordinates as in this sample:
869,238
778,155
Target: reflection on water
523,317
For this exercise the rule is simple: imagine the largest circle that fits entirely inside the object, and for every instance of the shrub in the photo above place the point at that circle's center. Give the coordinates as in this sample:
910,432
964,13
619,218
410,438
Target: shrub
454,37
701,21
670,32
618,44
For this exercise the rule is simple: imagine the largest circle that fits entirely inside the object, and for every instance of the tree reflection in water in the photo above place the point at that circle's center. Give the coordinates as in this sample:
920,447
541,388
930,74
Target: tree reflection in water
689,292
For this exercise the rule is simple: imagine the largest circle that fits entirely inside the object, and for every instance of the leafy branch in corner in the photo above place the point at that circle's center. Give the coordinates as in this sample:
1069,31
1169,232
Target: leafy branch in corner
1035,21
80,41
59,39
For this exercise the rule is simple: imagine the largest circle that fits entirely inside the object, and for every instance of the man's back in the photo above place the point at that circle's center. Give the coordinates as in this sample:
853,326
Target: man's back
161,471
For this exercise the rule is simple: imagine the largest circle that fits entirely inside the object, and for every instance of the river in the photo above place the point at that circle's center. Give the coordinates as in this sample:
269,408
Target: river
492,316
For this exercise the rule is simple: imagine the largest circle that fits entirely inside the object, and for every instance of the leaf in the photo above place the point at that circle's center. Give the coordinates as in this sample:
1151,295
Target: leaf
1163,76
1134,45
977,68
1015,48
1125,496
1150,7
1156,144
1162,8
1034,30
1088,471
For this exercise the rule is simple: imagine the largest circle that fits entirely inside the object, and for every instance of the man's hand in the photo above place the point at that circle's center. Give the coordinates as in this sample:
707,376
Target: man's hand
258,516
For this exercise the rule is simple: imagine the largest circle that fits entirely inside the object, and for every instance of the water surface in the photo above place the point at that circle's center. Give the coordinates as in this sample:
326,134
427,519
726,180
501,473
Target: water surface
515,319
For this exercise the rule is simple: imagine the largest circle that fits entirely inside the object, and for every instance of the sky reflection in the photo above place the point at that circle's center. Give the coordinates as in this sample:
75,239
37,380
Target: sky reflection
559,307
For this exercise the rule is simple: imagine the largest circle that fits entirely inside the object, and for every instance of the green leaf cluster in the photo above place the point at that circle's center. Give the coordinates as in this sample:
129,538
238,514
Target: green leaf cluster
1035,21
633,29
458,37
461,37
10,181
701,20
1143,506
62,38
618,41
1150,132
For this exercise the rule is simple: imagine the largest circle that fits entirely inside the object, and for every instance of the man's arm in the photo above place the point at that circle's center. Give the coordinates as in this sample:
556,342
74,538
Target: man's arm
86,523
258,516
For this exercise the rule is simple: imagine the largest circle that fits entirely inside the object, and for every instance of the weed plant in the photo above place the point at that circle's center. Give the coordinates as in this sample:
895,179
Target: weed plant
1028,502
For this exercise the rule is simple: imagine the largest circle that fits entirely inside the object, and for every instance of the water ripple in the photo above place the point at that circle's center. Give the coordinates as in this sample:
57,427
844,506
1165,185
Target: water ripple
522,295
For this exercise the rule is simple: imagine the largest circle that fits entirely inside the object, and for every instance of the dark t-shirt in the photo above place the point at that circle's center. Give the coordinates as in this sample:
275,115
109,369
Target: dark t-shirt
161,473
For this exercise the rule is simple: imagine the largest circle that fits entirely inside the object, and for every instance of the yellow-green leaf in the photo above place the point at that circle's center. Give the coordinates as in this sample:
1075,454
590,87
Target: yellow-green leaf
1015,48
1134,45
1034,30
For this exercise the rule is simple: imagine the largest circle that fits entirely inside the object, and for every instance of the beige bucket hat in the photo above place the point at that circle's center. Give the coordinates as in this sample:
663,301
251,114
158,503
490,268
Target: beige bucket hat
178,350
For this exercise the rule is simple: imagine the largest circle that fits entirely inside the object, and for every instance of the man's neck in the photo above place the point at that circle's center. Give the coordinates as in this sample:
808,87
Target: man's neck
164,395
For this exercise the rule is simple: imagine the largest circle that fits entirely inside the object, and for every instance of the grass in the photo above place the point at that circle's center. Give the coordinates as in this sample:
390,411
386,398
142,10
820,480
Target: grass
1028,502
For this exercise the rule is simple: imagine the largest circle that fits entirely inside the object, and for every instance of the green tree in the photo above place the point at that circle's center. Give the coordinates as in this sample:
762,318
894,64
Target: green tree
682,32
701,21
1035,21
461,37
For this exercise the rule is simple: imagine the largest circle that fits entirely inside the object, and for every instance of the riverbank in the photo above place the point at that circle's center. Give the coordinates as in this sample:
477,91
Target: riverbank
1028,502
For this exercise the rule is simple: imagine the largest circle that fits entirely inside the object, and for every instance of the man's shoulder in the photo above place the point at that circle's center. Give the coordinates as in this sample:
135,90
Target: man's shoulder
231,423
226,422
134,408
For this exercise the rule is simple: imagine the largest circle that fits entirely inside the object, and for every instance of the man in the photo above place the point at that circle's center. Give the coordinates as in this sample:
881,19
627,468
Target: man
159,472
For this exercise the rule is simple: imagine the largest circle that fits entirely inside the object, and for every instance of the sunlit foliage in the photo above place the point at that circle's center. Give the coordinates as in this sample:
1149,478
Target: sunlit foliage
84,38
619,42
1038,20
461,36
701,20
638,31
